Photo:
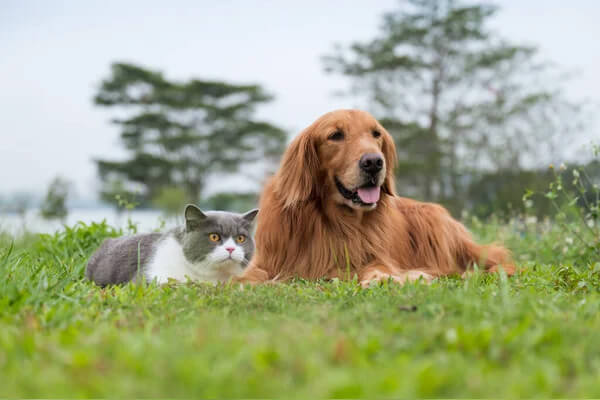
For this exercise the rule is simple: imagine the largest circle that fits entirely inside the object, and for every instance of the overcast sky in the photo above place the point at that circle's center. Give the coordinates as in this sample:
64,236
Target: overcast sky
54,53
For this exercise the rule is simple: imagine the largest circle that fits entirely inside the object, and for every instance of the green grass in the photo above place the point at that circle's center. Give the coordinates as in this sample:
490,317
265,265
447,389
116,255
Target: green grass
535,334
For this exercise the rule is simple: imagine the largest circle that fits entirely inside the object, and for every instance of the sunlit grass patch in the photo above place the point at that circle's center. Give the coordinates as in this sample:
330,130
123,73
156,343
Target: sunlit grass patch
487,335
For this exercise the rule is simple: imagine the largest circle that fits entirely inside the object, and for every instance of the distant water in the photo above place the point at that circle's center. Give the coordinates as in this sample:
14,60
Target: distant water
146,220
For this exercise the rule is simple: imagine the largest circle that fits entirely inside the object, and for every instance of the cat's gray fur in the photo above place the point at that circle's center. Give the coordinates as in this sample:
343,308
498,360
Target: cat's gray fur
125,259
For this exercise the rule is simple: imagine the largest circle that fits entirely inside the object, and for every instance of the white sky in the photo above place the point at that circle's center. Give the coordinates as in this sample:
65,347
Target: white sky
53,55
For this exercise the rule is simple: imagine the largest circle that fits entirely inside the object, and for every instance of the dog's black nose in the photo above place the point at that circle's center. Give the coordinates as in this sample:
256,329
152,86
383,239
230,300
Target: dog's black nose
371,163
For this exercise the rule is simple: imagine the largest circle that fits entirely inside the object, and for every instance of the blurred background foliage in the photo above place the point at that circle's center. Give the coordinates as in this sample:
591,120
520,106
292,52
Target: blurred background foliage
177,134
477,119
54,204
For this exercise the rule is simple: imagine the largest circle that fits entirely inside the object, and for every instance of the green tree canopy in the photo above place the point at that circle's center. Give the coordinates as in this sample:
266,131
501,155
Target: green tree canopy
54,205
179,133
460,100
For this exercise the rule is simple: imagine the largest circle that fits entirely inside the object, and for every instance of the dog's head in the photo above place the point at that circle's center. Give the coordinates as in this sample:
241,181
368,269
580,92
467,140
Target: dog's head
345,156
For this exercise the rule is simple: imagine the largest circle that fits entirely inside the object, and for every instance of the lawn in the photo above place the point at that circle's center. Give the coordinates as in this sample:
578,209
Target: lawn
534,334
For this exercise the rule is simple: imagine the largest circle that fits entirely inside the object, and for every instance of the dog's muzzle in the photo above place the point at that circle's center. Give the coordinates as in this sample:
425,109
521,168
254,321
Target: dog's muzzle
366,195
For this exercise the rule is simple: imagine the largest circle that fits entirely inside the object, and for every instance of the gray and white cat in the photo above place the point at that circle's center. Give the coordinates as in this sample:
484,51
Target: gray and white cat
213,246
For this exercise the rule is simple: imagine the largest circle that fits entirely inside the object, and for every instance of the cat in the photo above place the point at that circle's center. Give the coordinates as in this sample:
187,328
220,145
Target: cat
212,246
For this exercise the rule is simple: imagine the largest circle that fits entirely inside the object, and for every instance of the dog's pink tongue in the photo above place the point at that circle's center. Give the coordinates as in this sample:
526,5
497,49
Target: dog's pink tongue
369,195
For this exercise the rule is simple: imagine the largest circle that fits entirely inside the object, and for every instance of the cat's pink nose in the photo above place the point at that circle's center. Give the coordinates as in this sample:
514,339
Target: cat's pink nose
230,249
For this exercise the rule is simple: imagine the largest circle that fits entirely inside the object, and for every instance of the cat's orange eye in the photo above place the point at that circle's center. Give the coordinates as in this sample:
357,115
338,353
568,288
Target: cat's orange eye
240,238
214,237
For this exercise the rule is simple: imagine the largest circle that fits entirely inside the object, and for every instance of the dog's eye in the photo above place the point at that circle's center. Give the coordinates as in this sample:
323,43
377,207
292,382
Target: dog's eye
376,134
336,136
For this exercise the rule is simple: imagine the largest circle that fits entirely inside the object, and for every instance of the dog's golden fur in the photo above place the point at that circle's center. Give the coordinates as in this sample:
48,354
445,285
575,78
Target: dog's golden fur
306,228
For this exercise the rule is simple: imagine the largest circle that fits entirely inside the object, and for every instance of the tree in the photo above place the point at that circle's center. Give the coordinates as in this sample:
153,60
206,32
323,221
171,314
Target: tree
237,202
178,133
460,100
171,200
54,204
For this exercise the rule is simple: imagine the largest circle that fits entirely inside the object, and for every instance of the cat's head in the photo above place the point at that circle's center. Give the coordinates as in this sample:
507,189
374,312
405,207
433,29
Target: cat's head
217,237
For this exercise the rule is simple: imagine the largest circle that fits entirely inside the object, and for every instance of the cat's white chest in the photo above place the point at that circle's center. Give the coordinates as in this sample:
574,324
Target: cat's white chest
169,262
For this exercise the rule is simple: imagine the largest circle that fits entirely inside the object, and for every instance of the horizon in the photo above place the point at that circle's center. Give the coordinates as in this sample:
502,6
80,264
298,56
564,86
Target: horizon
50,79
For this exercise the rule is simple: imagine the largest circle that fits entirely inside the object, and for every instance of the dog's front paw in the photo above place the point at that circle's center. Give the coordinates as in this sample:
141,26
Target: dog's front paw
412,275
374,278
252,275
407,276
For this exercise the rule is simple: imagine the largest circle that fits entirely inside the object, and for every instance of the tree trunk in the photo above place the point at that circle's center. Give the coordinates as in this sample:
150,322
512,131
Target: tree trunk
434,146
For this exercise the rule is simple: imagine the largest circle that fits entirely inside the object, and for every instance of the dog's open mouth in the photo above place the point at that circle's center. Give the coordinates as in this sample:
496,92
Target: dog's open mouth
365,195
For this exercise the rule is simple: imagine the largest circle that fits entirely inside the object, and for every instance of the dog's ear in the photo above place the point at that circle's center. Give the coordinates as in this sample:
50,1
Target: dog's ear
389,152
296,180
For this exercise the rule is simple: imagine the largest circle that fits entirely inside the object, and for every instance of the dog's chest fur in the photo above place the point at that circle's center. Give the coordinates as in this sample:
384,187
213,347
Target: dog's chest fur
334,245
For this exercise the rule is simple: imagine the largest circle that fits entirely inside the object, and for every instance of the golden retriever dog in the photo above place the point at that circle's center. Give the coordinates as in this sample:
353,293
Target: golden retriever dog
331,210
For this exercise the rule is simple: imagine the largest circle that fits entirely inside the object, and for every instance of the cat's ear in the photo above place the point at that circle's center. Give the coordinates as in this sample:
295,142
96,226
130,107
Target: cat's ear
250,215
193,217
